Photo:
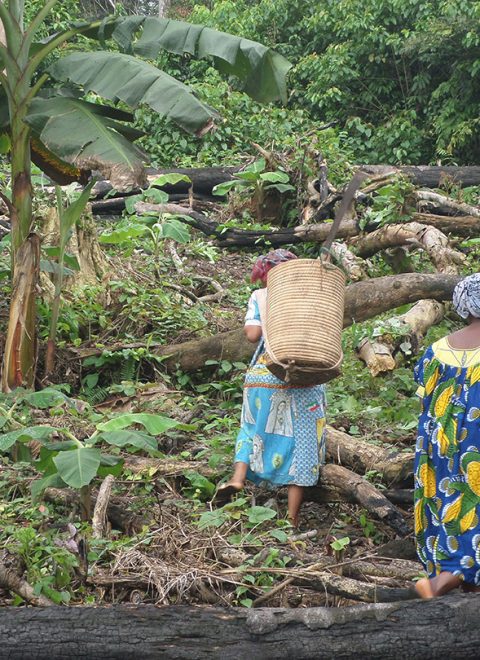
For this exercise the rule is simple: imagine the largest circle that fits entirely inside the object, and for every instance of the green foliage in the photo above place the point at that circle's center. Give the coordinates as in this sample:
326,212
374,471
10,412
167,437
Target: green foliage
389,205
338,545
254,179
50,568
68,461
402,77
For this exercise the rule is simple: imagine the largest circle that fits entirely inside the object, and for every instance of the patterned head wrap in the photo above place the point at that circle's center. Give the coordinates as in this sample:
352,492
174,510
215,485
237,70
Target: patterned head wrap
267,261
466,297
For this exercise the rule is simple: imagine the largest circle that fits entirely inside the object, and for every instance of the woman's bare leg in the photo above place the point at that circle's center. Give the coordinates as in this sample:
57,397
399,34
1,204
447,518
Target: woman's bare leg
295,498
438,586
239,474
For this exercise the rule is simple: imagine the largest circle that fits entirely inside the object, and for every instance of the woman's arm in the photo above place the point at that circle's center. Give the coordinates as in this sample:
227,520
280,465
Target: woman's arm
253,333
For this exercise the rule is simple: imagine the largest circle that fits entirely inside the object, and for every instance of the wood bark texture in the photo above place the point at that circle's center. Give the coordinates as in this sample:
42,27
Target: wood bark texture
445,627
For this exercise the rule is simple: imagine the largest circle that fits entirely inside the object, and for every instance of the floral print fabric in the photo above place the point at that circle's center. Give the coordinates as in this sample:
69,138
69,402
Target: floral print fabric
282,434
447,462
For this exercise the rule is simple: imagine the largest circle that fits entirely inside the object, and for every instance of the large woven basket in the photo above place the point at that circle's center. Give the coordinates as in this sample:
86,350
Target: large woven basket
304,320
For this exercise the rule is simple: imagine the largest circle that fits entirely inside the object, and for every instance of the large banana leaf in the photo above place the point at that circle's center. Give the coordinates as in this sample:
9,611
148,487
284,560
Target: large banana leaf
262,70
117,76
79,133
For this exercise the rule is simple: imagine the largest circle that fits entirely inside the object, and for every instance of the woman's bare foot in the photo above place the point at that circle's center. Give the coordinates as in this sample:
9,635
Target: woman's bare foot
226,492
424,589
438,586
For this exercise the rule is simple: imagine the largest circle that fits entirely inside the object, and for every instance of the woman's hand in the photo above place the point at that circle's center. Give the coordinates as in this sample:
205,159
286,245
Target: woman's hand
253,333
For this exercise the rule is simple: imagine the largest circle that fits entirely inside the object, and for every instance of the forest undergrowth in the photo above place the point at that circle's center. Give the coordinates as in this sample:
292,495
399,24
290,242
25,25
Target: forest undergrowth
166,544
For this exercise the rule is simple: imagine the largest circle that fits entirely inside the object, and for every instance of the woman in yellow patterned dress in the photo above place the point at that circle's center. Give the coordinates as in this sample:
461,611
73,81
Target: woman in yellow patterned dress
447,461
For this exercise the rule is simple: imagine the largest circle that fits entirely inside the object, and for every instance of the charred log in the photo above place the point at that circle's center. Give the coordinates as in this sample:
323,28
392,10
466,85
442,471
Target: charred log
402,630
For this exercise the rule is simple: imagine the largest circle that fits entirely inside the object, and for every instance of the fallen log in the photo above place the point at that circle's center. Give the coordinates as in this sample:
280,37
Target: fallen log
443,205
403,630
430,176
360,456
353,265
393,466
339,484
363,300
203,180
432,240
378,355
367,592
460,225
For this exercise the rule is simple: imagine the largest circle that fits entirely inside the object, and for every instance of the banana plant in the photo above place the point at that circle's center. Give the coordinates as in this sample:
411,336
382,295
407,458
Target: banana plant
66,461
44,110
67,219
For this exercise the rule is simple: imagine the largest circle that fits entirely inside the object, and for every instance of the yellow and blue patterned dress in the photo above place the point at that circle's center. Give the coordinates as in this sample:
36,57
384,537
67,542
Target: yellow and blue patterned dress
447,462
282,434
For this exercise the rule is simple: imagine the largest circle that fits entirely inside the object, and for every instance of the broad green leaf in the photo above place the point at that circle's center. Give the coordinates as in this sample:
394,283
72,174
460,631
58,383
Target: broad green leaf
281,187
60,446
70,215
170,179
176,230
5,143
107,468
129,439
118,236
70,260
48,266
79,466
47,398
155,196
78,133
51,481
274,177
130,203
262,70
7,440
155,424
279,535
120,77
224,188
214,518
259,514
256,167
107,460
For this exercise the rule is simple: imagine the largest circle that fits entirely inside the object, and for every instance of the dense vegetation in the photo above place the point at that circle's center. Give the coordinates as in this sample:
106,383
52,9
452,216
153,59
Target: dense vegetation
399,82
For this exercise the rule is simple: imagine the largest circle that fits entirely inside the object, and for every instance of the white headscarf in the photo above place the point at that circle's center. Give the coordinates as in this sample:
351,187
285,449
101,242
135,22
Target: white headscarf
466,297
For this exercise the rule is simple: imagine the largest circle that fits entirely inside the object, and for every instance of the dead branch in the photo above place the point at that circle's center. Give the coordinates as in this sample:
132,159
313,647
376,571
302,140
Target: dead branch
432,201
117,512
12,582
353,265
99,518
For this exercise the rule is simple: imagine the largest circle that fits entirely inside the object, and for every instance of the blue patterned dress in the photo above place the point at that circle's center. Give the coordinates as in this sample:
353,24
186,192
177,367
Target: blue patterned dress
282,434
447,462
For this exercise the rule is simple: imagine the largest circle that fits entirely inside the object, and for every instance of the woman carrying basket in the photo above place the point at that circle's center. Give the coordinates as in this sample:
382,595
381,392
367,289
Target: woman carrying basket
282,434
447,460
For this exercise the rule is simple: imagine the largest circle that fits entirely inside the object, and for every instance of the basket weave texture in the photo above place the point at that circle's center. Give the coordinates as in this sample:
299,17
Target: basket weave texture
304,321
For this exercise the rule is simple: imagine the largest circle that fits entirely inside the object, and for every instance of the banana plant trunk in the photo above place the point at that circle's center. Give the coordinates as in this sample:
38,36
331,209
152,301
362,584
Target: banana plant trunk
20,352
